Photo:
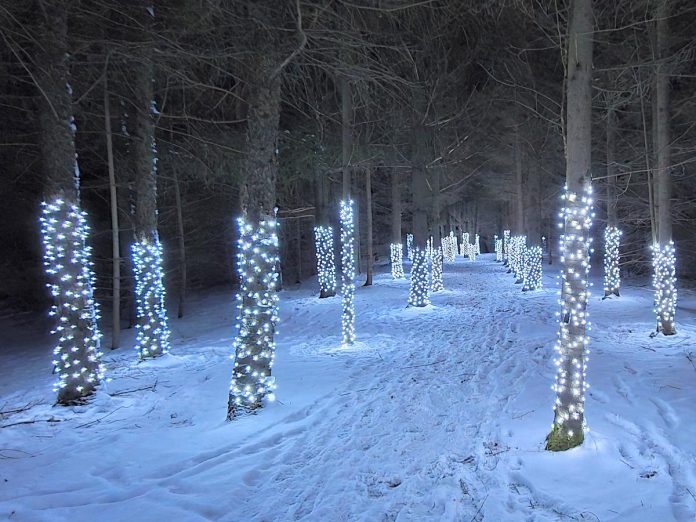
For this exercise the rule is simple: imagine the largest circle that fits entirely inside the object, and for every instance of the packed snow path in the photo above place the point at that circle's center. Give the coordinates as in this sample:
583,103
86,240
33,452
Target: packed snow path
434,414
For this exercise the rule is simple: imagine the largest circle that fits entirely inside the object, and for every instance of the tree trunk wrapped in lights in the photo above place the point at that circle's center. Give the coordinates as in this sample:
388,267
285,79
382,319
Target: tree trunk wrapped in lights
347,273
152,327
477,245
409,246
326,267
665,282
506,247
532,269
664,276
498,249
67,258
612,272
569,409
397,265
437,284
396,248
419,290
152,339
258,247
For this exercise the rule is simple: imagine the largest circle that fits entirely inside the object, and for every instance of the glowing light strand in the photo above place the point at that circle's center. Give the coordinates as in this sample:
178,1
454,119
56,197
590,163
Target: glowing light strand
397,264
418,293
409,246
532,279
498,249
612,272
572,354
665,283
437,284
152,326
257,317
506,246
326,267
347,273
67,262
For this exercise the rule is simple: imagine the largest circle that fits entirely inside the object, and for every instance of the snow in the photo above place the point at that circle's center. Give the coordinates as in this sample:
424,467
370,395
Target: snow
434,414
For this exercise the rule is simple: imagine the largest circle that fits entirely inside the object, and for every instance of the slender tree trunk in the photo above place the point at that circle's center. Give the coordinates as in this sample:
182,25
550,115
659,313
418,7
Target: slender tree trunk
368,206
298,247
182,245
152,337
255,345
664,259
346,134
569,421
611,168
396,207
519,186
67,257
612,235
115,243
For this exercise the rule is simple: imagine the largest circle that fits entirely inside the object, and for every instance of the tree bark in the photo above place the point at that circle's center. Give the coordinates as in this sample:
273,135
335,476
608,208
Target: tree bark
346,134
396,207
568,430
518,225
77,352
368,208
662,147
183,279
115,243
611,168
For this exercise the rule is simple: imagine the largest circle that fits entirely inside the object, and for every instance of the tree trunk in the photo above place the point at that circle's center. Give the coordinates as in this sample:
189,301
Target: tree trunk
419,289
182,246
396,207
298,248
569,421
152,339
67,257
518,225
346,134
611,168
612,235
255,344
368,211
115,243
664,260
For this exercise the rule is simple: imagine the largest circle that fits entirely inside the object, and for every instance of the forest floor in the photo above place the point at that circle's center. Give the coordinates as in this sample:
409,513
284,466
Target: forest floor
434,414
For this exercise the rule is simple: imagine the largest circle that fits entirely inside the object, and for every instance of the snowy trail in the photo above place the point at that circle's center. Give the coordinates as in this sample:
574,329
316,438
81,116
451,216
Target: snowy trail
435,414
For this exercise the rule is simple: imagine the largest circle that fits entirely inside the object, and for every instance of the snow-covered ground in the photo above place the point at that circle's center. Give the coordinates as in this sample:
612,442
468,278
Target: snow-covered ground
435,414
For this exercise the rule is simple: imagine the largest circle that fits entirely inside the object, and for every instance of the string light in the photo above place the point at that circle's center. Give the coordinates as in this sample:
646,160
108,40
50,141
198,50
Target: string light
571,348
152,326
449,247
67,261
532,269
477,245
506,246
612,272
518,244
471,248
348,272
409,246
665,282
397,265
437,285
326,268
418,293
257,318
498,249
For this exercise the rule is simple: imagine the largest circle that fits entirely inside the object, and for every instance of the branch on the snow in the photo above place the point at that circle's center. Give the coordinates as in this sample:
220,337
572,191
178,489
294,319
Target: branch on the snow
51,420
152,387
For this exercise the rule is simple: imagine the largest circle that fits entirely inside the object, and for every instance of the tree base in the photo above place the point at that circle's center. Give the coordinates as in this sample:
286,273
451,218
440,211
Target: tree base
558,440
323,294
238,410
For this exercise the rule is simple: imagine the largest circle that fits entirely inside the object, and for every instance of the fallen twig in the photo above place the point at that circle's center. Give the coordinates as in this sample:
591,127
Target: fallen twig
124,392
52,419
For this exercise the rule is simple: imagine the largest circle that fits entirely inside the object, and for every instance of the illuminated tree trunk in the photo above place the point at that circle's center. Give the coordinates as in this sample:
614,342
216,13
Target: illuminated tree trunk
324,239
64,230
258,247
397,249
664,256
612,235
569,420
152,338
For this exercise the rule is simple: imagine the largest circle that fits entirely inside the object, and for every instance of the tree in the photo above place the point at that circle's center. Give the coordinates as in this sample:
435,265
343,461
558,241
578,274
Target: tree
569,420
152,339
65,231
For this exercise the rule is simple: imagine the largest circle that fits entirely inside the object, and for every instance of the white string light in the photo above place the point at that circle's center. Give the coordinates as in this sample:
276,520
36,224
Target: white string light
532,269
477,245
409,246
326,268
612,272
506,246
571,348
257,318
437,284
498,249
152,326
418,293
397,264
518,244
347,272
67,261
665,283
471,250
